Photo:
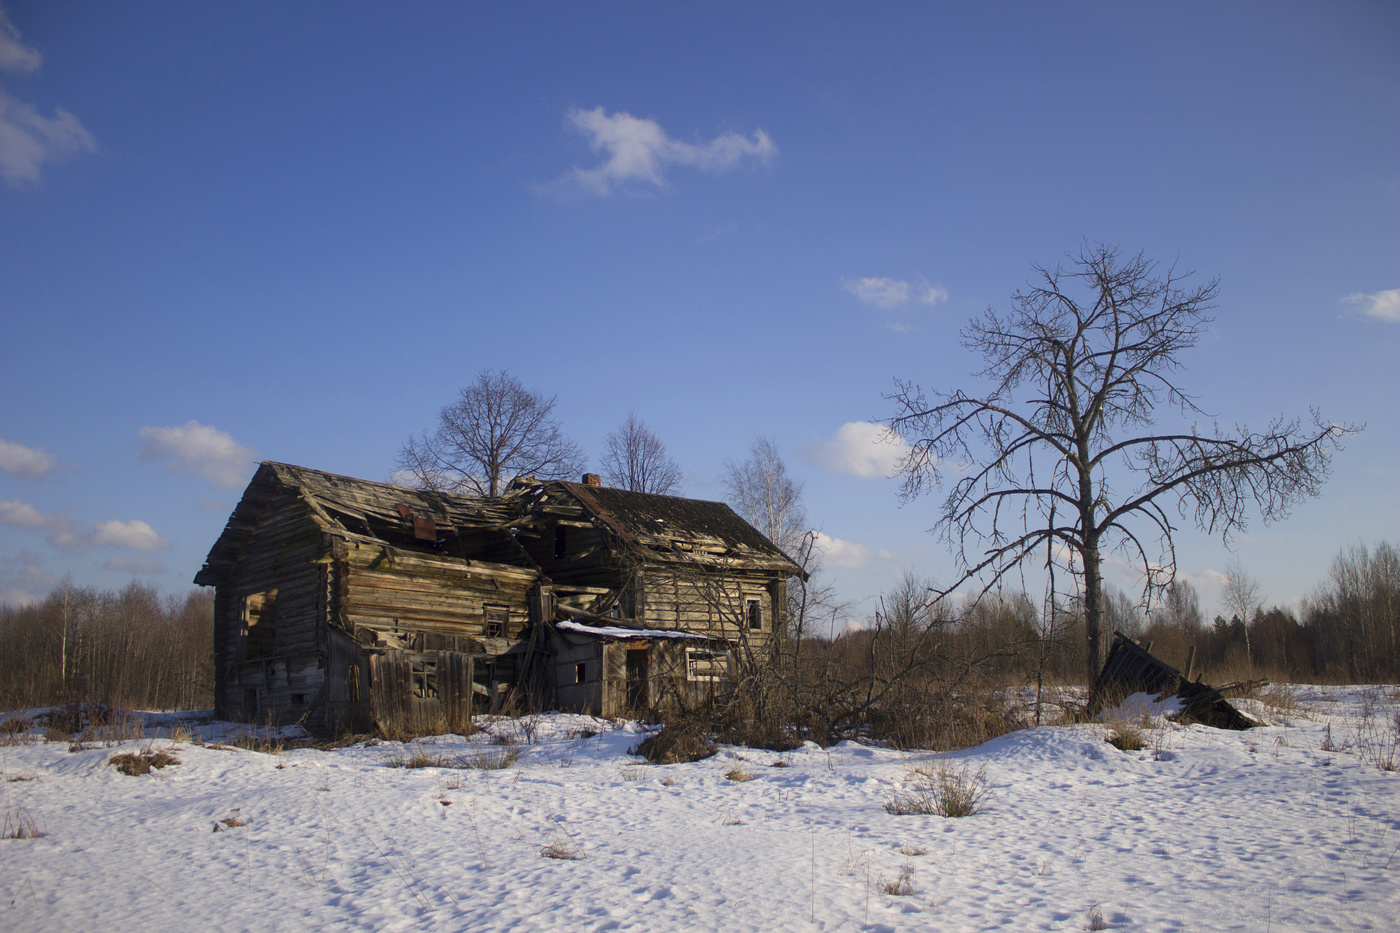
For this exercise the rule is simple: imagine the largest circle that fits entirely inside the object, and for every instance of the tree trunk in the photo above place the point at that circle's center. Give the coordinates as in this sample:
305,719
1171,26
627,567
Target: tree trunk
1093,611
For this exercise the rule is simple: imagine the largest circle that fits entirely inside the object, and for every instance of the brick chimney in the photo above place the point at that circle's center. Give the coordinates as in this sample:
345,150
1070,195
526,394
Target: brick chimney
592,479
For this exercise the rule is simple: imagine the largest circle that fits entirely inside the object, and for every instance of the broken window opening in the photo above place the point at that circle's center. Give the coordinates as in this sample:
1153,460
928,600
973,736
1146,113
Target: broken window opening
706,664
580,672
424,672
260,622
497,618
754,613
561,542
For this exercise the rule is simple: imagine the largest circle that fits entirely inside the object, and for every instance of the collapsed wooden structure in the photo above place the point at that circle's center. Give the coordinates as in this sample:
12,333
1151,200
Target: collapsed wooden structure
340,603
1132,668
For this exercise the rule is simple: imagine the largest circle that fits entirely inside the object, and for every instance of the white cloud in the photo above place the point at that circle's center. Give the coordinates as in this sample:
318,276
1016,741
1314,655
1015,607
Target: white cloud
840,553
25,462
199,450
639,150
134,565
1383,306
28,139
14,54
23,515
894,293
134,534
861,448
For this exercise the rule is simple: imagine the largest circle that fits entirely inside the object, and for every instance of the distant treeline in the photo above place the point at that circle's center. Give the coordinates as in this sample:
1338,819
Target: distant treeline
1347,630
130,649
136,650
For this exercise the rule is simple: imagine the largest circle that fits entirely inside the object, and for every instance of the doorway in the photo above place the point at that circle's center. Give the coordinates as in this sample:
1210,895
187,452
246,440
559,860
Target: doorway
637,664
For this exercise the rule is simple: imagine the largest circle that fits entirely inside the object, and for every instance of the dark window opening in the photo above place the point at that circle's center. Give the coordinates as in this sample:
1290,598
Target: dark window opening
260,617
424,673
561,542
497,618
298,699
755,614
580,672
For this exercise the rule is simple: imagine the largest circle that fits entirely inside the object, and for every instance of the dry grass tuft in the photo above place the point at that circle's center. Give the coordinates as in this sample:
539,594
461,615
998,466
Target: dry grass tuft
563,847
739,774
267,745
1126,737
912,851
779,764
15,731
903,885
1094,920
137,763
233,822
941,791
20,824
418,758
492,758
633,772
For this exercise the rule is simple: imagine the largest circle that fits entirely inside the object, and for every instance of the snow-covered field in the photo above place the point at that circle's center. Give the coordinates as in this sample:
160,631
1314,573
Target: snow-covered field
1202,830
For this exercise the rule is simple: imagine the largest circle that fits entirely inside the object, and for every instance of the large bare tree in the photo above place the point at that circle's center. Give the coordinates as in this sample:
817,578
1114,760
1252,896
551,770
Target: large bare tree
636,460
1062,455
495,431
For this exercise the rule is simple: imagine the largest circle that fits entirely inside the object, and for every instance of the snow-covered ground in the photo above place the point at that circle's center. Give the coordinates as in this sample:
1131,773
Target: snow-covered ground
1201,830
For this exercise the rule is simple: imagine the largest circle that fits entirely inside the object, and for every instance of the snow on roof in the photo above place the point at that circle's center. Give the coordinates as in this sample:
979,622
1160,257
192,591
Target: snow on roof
617,631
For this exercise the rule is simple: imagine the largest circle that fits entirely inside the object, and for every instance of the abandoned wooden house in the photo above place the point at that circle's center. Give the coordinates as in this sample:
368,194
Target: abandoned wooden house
340,602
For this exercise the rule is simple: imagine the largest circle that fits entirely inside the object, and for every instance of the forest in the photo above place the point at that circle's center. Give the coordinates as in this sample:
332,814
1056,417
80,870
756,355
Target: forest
135,649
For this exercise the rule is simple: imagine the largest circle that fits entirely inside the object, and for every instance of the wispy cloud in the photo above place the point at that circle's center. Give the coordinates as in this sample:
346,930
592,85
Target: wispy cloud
198,450
136,566
638,150
24,462
1383,306
22,583
860,448
15,56
28,139
135,534
894,293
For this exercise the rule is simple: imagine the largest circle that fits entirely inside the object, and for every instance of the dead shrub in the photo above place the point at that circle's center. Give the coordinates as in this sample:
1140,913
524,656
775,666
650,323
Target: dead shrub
919,717
138,763
942,790
739,774
675,745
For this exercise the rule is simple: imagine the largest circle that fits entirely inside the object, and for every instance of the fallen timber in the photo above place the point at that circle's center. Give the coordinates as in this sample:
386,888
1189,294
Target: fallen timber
1132,668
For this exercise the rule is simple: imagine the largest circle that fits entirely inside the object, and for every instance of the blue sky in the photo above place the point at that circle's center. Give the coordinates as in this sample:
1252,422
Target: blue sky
292,231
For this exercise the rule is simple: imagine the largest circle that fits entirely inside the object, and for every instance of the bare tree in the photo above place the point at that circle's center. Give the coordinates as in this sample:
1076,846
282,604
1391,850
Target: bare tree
495,431
761,491
1241,597
636,460
1062,447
